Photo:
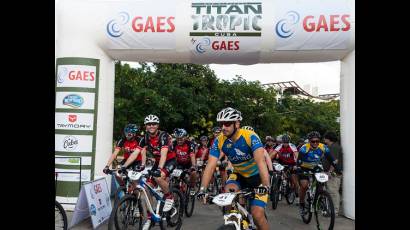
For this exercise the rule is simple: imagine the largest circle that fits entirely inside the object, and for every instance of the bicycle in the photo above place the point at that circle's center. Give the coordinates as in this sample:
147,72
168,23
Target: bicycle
60,217
132,210
180,179
318,200
239,217
280,182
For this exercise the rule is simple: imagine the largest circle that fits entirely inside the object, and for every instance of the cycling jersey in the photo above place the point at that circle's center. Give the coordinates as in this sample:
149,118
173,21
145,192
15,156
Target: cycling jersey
201,151
183,152
286,154
310,157
155,144
129,147
240,152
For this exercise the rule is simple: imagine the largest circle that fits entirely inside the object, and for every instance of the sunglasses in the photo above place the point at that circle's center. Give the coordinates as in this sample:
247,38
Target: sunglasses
151,124
226,123
314,141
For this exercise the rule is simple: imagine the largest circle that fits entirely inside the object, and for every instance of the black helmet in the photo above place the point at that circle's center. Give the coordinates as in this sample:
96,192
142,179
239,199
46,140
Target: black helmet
313,134
203,138
285,138
180,133
130,130
216,130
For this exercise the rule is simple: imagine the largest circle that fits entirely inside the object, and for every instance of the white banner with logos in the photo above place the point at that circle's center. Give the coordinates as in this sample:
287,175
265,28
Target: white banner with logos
72,160
74,121
73,175
311,25
82,76
74,100
73,143
223,30
94,200
141,25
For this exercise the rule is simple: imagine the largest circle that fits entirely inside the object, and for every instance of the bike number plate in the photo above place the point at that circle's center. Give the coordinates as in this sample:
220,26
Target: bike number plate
176,173
223,199
278,167
321,177
134,175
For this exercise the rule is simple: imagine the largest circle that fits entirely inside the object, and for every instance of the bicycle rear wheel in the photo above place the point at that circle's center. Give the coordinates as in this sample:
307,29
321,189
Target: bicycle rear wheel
60,217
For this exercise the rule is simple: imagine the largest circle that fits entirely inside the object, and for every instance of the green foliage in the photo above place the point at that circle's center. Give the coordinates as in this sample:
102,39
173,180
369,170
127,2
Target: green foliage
189,96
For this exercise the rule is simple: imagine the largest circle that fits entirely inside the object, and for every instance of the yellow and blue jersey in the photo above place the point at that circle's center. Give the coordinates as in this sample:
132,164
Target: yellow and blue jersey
240,152
312,157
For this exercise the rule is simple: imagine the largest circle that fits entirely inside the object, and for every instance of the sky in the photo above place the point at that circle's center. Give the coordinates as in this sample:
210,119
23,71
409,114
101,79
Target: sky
324,75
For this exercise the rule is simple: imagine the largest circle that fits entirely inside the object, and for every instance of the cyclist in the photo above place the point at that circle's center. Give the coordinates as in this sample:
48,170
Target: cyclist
159,143
310,156
185,152
203,151
245,151
286,154
129,144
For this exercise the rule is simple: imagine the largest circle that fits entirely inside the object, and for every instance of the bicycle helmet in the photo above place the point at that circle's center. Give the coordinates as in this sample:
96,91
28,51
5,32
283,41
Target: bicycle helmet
180,133
216,130
130,130
269,138
229,114
203,138
151,119
285,139
313,134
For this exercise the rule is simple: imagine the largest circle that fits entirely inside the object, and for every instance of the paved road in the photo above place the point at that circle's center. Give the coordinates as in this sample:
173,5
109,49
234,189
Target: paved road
205,217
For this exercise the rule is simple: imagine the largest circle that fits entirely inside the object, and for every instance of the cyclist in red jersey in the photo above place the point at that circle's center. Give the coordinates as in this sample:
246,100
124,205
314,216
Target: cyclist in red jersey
203,150
185,152
159,143
287,154
129,144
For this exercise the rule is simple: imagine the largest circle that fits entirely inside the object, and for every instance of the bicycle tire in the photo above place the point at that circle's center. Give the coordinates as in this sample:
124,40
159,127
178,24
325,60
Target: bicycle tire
178,222
227,227
61,211
189,202
326,195
111,224
133,200
290,194
308,214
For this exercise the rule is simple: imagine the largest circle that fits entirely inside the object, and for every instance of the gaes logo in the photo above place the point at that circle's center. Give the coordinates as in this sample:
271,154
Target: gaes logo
113,26
285,27
72,118
201,44
70,143
62,72
73,100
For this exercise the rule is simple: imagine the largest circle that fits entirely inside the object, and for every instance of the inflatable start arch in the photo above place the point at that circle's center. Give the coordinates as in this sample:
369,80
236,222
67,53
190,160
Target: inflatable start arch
91,34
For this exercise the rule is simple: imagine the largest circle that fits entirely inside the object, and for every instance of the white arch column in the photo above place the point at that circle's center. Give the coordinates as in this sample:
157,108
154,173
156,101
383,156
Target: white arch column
74,41
347,128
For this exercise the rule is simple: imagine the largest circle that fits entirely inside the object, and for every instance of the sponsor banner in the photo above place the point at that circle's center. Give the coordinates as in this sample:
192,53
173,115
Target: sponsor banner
225,32
74,100
311,25
226,18
142,26
73,175
70,160
99,202
74,121
82,76
73,143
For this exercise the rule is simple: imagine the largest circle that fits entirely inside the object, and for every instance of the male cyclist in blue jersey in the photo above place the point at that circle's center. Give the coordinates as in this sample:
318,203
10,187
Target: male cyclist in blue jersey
245,151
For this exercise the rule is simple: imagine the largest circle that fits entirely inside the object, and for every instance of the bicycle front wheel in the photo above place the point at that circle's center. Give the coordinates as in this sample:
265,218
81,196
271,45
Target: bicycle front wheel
60,217
128,213
174,216
324,211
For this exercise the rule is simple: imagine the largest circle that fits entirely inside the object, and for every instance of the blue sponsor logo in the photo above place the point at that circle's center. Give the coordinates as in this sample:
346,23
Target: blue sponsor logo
201,44
93,210
114,25
286,26
73,100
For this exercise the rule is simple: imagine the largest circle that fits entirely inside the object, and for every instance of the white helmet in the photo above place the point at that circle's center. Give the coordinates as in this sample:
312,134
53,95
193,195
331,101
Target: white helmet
229,114
248,128
151,119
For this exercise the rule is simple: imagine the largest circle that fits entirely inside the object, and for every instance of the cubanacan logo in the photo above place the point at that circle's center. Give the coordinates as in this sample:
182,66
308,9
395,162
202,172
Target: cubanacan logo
73,100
